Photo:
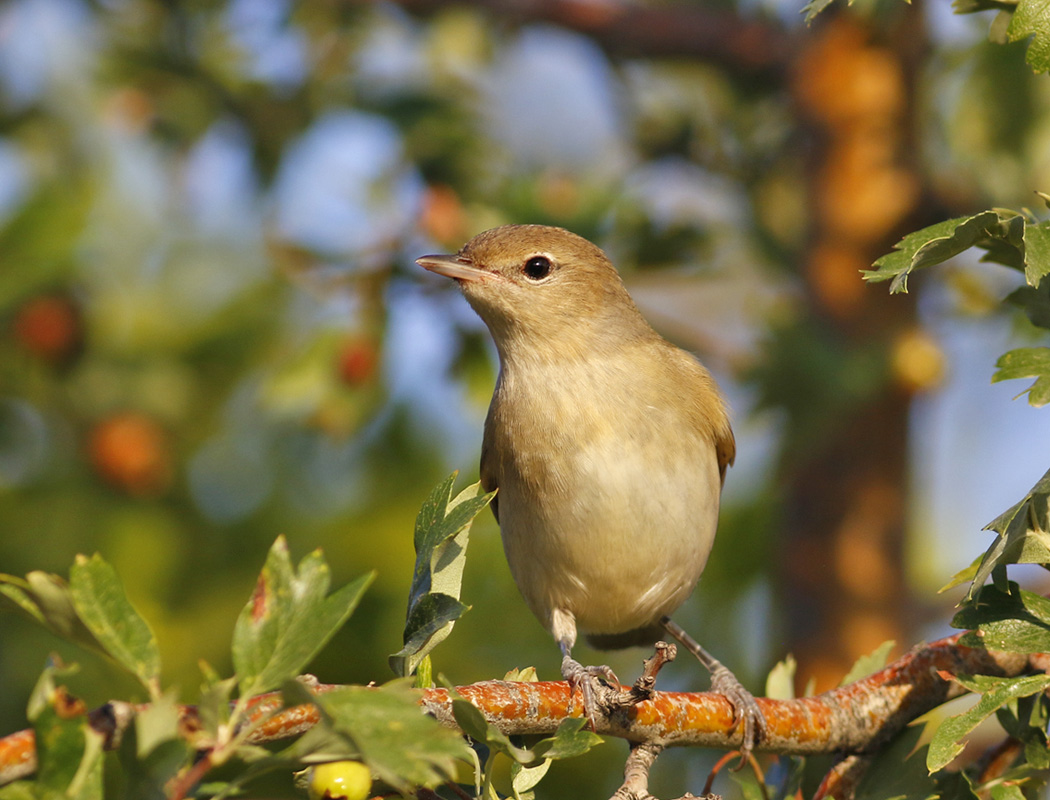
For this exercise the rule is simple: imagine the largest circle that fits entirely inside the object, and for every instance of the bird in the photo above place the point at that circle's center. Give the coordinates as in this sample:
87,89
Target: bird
607,447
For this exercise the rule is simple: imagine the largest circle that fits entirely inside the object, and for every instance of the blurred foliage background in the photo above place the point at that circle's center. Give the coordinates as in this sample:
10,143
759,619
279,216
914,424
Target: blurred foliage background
212,331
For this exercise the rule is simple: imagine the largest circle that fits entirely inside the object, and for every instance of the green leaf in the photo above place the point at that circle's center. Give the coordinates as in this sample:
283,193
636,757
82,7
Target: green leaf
524,779
866,665
780,684
385,725
1015,621
936,244
473,723
68,749
151,751
996,692
289,619
569,741
441,536
1036,252
20,790
1027,362
972,6
1032,18
897,771
1023,537
813,8
46,599
965,575
101,603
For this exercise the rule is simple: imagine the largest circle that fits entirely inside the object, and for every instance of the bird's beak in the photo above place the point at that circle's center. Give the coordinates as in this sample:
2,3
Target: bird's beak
458,267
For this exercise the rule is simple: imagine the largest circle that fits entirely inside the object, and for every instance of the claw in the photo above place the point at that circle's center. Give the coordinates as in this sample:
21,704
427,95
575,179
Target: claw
599,687
746,712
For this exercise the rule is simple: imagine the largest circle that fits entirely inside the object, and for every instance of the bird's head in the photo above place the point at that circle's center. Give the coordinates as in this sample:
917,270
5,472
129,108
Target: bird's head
539,286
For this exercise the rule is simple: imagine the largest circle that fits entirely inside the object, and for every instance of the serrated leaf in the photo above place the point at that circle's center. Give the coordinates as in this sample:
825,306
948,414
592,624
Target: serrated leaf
1014,621
1027,362
1027,518
965,575
932,245
813,8
946,744
866,665
289,618
441,537
1032,18
100,601
402,745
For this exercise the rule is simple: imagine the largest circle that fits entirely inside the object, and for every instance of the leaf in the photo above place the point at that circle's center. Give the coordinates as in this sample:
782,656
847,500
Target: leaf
101,603
1036,252
473,723
402,745
441,536
289,619
996,692
1032,18
972,6
866,665
523,779
151,750
1027,362
897,771
780,683
813,8
934,245
569,741
1015,621
68,749
965,575
45,598
1022,530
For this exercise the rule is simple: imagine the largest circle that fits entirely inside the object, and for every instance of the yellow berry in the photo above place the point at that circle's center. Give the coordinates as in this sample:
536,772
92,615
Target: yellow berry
339,780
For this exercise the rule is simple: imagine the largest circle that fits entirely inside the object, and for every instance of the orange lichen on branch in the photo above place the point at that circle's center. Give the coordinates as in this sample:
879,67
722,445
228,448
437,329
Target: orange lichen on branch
851,719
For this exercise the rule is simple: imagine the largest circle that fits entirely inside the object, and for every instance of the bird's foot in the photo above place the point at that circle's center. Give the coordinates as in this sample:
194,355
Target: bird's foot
599,687
746,712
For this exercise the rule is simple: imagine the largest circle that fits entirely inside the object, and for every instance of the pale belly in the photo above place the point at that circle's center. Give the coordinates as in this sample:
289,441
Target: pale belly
624,535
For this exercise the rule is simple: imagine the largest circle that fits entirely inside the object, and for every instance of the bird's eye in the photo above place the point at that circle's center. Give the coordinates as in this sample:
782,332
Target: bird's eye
537,268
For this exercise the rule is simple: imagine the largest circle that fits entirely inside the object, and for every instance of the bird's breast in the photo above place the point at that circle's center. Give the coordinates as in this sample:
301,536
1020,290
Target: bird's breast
608,493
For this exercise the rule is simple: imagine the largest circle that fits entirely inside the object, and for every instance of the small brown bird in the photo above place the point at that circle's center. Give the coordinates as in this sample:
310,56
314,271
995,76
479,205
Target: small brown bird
608,446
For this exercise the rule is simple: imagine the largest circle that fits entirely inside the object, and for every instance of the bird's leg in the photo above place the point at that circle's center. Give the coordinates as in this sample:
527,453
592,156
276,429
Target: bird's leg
595,683
745,710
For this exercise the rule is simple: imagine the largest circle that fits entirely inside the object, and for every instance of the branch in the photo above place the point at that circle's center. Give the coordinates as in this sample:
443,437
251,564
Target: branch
851,719
721,37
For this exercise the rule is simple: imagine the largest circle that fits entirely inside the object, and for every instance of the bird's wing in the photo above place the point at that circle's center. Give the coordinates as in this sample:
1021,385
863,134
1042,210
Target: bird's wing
725,449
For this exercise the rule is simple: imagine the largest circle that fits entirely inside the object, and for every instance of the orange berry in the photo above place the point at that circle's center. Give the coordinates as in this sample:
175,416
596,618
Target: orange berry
358,361
130,451
48,326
